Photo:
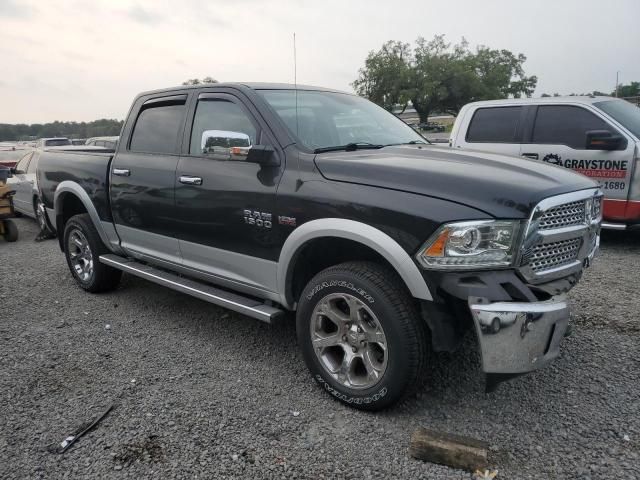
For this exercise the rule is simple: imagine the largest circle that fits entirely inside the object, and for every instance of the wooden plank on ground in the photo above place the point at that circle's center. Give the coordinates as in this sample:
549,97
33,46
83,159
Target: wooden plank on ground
447,449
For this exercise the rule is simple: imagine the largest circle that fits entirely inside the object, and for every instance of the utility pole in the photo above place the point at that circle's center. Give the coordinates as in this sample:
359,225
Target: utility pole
617,75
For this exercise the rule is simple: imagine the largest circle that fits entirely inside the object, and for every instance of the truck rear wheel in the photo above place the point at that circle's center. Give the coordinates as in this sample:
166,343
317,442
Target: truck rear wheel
361,335
82,249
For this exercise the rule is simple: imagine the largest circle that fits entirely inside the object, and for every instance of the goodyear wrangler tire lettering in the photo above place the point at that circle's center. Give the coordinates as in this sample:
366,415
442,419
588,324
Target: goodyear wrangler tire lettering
334,283
347,399
360,335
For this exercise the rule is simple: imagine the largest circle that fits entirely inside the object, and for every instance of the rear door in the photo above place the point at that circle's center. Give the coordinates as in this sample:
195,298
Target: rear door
143,175
558,136
495,129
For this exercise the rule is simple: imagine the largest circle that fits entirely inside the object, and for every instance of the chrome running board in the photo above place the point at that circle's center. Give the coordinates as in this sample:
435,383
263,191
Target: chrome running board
247,306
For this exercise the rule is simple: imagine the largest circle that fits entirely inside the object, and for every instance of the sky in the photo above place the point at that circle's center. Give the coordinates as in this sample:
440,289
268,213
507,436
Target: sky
83,60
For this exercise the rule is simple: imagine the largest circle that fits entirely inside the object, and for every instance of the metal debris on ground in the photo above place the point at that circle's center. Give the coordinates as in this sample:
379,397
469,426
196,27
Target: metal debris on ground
80,432
484,475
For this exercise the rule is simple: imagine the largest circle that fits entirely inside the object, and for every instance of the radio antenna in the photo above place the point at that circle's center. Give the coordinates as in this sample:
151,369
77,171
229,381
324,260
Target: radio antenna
295,62
299,181
295,81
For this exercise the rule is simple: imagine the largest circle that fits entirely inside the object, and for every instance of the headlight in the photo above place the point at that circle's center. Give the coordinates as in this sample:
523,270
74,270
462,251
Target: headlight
462,245
596,207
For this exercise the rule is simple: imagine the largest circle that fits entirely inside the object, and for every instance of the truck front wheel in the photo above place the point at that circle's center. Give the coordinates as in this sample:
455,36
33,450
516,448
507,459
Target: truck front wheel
82,249
361,335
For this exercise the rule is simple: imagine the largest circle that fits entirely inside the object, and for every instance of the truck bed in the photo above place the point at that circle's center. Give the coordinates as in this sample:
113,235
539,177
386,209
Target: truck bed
89,169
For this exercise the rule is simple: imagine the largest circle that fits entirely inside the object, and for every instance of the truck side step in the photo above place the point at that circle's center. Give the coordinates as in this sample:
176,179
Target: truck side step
232,301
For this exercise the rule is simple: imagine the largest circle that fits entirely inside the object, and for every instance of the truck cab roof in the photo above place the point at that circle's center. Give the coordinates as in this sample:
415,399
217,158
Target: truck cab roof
583,99
249,85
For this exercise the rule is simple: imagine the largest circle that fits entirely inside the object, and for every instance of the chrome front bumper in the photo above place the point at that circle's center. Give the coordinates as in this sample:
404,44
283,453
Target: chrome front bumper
519,337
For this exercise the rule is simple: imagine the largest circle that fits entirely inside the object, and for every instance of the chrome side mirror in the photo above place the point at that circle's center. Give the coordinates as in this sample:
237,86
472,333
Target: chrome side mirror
236,146
222,141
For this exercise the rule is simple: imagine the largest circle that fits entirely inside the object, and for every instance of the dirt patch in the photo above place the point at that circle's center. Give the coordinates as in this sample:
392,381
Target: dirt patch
148,450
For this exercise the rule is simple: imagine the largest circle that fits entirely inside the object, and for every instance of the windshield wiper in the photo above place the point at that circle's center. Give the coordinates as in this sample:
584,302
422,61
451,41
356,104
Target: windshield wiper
350,147
412,142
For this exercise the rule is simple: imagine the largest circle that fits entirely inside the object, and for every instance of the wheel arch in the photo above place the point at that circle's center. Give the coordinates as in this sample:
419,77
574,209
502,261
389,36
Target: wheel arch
353,231
71,199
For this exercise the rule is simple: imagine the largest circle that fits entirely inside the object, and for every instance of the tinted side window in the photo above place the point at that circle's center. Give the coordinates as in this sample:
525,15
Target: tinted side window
226,124
494,125
565,125
157,129
23,163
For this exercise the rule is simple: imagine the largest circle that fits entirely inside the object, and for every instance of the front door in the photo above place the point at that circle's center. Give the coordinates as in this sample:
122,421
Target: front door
559,137
225,205
142,180
22,183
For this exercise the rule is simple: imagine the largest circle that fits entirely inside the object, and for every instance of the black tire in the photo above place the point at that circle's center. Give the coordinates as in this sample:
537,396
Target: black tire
102,277
10,231
379,289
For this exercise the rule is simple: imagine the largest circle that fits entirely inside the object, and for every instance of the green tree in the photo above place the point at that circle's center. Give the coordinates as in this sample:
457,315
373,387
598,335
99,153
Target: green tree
97,128
196,81
437,76
630,90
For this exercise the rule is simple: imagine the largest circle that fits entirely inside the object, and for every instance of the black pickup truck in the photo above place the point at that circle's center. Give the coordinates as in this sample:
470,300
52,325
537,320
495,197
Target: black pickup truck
267,198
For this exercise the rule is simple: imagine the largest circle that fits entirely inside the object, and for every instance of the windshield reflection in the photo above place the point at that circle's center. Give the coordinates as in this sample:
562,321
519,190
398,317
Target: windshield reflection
328,119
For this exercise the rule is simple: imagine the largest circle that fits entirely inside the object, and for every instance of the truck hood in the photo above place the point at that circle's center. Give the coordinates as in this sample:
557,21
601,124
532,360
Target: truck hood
501,186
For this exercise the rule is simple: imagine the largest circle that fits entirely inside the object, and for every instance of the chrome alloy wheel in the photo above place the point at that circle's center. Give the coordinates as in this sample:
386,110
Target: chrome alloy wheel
349,341
80,255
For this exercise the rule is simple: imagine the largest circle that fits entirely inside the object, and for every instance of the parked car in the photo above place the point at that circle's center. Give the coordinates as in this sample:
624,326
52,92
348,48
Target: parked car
106,142
596,136
266,198
52,142
27,200
431,127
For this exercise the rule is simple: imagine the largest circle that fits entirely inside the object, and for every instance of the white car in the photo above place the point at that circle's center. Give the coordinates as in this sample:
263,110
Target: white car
27,200
105,142
53,142
596,136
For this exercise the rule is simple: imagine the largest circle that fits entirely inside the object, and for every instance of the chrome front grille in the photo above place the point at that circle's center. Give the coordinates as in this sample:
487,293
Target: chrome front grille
562,234
555,254
565,215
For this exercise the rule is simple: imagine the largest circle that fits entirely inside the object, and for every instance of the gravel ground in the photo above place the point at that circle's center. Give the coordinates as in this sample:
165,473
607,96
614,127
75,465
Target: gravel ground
201,392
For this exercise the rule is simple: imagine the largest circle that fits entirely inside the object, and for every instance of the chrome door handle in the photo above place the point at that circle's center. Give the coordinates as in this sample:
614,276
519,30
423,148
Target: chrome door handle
121,172
188,180
533,156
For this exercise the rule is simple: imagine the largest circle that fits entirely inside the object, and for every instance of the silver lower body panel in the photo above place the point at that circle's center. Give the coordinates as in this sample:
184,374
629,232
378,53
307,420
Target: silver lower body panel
614,226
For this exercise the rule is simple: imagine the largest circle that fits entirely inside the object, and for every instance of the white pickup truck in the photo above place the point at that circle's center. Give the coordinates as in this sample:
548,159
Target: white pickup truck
596,136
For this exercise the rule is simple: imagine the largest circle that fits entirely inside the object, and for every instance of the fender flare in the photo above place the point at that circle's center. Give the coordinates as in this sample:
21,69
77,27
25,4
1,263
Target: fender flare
358,232
106,231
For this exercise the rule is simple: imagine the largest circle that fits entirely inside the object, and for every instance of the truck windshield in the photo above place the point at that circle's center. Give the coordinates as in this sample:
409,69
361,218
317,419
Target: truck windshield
329,120
623,112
